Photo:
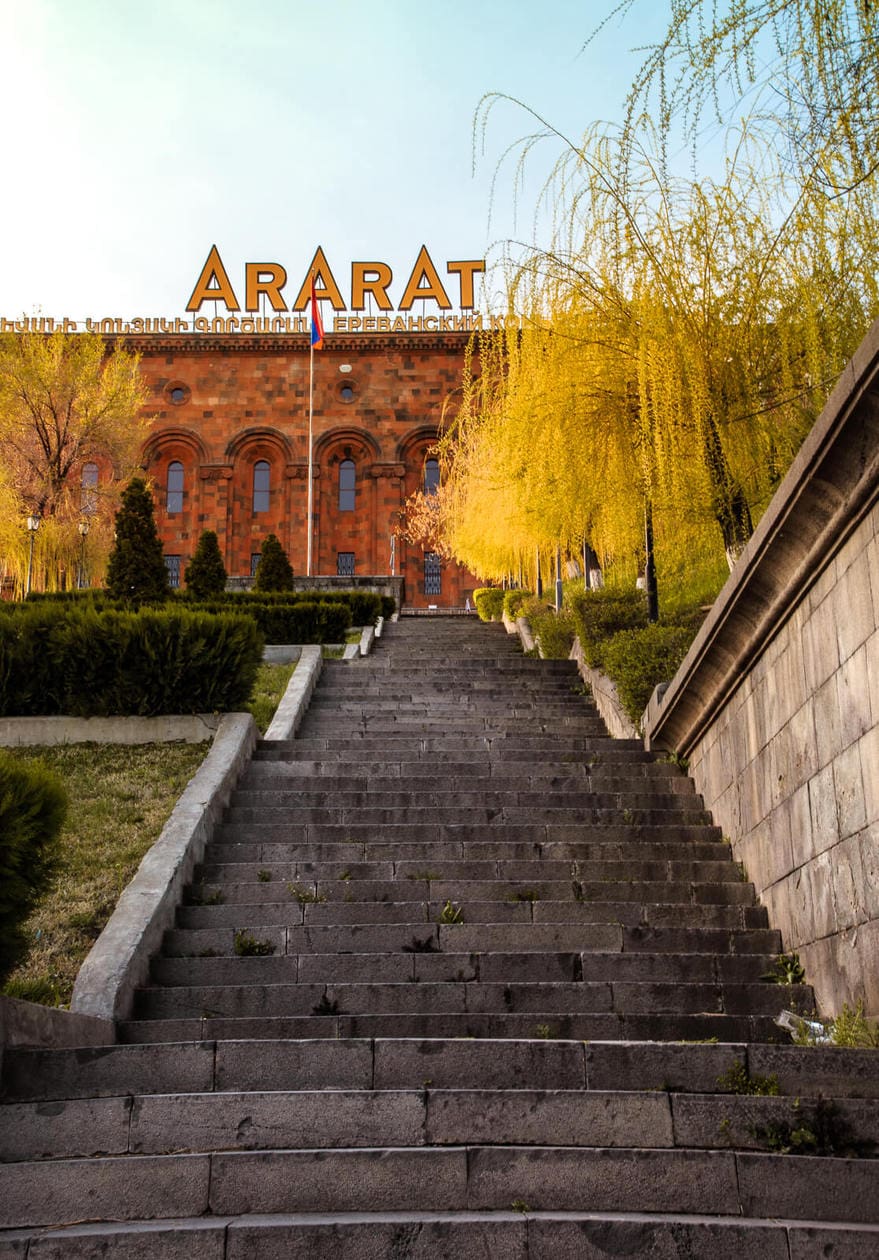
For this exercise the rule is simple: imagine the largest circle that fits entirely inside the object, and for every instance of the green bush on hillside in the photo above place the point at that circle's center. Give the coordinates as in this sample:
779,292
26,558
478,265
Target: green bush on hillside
489,601
637,660
32,808
600,614
513,601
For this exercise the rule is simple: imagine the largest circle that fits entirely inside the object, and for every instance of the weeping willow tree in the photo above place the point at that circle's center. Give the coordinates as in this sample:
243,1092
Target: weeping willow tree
680,337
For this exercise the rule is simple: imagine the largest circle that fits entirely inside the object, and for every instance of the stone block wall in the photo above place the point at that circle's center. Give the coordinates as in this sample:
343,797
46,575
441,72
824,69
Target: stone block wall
777,703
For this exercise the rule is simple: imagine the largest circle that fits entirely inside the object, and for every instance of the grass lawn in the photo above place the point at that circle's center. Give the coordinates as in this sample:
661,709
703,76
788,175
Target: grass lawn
119,799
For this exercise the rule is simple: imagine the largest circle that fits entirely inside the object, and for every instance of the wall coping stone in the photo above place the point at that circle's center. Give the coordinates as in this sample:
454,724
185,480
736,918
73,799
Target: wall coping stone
831,485
30,1024
297,696
120,958
193,728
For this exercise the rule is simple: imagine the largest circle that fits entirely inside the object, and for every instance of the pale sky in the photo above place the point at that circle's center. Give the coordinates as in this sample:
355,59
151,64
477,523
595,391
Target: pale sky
137,133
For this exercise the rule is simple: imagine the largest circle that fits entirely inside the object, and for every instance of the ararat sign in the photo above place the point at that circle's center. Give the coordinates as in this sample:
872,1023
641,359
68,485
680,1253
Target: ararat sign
266,281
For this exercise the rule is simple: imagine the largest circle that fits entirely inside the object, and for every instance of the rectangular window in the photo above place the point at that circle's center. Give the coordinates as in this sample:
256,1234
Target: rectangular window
254,561
172,564
433,577
345,563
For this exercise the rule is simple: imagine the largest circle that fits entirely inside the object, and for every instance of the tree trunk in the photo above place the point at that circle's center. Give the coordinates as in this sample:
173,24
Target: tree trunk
731,508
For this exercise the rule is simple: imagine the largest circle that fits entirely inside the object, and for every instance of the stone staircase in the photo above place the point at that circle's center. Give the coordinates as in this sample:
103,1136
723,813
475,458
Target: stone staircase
459,976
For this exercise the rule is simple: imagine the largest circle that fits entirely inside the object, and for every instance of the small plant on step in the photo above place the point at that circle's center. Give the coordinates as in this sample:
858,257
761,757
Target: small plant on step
815,1128
305,896
525,894
545,1032
737,1081
326,1007
519,1205
264,877
427,946
247,946
853,1030
787,969
450,913
426,875
215,898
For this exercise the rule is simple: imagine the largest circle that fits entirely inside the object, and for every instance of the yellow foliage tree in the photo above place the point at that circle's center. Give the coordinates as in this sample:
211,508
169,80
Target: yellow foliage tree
65,401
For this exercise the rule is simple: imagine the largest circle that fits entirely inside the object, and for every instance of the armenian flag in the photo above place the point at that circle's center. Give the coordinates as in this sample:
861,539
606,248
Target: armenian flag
317,328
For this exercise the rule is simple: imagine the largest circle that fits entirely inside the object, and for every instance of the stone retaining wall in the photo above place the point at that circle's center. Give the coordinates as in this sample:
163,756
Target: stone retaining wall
777,702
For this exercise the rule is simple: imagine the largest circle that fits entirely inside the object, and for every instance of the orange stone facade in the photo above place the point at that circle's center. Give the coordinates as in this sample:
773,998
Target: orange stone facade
228,449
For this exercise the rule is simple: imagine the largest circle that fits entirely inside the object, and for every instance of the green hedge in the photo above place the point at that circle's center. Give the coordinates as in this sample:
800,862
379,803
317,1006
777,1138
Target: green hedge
285,621
513,601
637,660
89,663
600,614
32,808
489,601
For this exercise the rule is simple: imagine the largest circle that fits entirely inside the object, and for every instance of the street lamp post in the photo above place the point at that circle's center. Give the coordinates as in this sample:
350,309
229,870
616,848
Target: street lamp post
83,534
33,524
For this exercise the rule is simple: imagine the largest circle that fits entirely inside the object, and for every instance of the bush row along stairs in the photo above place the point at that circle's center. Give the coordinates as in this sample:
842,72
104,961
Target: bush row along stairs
460,976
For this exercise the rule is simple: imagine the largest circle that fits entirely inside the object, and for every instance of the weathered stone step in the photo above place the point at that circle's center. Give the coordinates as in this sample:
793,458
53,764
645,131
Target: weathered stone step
203,1066
460,839
509,747
442,794
606,1026
477,815
498,967
732,1183
327,863
515,1235
610,777
466,892
463,997
523,937
153,1124
334,862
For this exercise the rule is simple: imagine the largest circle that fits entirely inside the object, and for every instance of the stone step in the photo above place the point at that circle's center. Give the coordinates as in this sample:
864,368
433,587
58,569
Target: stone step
466,1235
638,776
435,749
328,864
431,968
549,1178
430,1116
462,997
469,839
334,862
522,937
442,794
477,815
465,892
203,1066
606,1026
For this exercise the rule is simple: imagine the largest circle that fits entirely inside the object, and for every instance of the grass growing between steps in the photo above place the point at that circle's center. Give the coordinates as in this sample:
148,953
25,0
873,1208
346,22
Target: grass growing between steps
271,683
120,797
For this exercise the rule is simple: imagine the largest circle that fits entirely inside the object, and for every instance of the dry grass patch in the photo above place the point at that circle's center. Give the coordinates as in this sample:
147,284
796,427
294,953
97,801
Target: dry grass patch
120,797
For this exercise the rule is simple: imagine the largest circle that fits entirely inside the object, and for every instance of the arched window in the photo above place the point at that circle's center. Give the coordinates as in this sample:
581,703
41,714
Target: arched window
88,498
261,474
174,497
431,476
347,482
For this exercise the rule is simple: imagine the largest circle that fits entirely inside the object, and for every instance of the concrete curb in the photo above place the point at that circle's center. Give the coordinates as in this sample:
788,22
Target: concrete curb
119,960
367,639
29,1024
296,698
20,732
523,628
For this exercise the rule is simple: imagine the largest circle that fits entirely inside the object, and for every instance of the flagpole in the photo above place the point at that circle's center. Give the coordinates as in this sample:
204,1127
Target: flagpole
310,456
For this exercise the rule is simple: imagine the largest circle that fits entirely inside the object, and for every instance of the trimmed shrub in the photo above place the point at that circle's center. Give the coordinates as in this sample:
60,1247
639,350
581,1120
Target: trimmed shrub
274,571
389,606
513,601
136,571
489,601
555,631
600,614
637,660
87,663
32,808
206,574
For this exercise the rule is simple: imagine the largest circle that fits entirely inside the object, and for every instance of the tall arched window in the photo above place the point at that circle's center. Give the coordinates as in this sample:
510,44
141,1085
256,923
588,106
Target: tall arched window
347,482
431,476
261,473
174,495
88,497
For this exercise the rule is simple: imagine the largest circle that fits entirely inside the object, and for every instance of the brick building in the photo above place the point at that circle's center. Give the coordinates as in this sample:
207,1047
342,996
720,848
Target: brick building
228,449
